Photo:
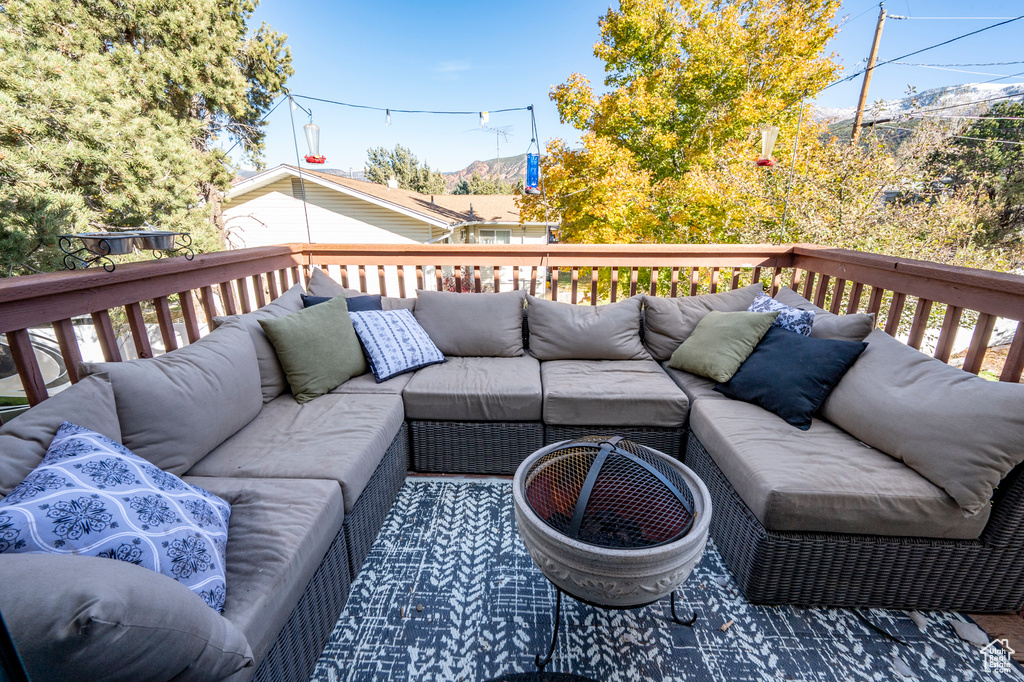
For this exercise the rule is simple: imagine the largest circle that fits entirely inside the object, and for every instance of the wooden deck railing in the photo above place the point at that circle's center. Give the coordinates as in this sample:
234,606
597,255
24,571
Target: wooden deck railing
905,294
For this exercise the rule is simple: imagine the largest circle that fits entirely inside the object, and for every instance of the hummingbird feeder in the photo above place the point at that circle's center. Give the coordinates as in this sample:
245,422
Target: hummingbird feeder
769,134
312,131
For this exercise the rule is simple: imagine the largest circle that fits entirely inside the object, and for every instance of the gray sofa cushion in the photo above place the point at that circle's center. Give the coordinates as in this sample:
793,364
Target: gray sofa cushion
366,383
669,321
822,479
273,382
90,618
473,325
175,408
562,331
280,531
338,437
693,385
962,433
853,327
24,439
476,389
611,393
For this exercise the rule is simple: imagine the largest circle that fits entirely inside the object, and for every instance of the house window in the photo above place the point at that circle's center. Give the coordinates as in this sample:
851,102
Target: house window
495,236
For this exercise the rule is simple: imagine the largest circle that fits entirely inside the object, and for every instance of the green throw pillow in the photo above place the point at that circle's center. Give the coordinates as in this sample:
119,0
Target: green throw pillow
720,343
318,348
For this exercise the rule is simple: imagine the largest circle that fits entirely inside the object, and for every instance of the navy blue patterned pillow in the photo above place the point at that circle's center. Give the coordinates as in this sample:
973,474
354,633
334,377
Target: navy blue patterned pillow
394,342
354,303
94,497
792,319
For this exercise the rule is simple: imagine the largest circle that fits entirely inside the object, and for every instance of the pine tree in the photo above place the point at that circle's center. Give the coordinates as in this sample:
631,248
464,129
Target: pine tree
110,115
402,165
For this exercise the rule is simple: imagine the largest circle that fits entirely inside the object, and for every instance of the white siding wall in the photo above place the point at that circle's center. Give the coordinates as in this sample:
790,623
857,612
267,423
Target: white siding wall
270,215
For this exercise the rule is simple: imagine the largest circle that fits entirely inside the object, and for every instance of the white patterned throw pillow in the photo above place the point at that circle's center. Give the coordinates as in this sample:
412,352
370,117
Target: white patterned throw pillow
92,496
793,319
394,342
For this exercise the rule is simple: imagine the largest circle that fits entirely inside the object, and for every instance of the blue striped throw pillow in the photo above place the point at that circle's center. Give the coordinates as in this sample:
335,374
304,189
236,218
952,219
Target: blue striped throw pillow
394,342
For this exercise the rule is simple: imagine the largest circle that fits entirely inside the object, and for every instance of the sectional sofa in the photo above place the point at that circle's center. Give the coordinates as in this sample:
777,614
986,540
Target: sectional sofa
865,508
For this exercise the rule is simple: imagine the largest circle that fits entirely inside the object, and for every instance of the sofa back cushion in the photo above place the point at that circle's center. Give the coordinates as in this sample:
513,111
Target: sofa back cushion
473,325
272,379
669,321
175,408
961,432
852,327
562,331
89,618
321,285
24,439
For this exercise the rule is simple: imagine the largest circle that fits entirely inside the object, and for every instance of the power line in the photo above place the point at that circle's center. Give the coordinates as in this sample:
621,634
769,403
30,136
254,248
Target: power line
960,137
1012,75
897,16
924,49
409,111
967,104
945,68
970,64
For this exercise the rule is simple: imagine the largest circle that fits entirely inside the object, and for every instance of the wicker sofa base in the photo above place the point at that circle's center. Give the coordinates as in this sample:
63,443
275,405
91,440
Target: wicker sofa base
365,519
840,570
297,648
668,440
473,447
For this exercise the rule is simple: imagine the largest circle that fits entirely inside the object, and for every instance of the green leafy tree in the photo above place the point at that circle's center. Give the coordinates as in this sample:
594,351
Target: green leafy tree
110,115
478,184
402,165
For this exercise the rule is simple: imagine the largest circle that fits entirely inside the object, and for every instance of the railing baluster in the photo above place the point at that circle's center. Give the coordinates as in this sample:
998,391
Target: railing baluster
653,291
917,329
674,283
808,291
476,279
307,272
272,286
892,322
947,334
439,274
28,368
137,323
875,302
593,285
382,281
554,284
533,280
776,280
243,295
497,279
344,276
296,277
856,293
401,281
209,305
515,278
979,343
420,282
837,297
257,286
714,280
615,284
282,278
1014,364
822,294
457,270
188,314
735,279
755,276
362,279
575,279
632,281
796,279
227,298
106,336
165,322
64,330
694,281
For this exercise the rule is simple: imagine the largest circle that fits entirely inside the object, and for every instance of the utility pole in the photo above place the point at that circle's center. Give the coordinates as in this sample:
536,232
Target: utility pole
859,116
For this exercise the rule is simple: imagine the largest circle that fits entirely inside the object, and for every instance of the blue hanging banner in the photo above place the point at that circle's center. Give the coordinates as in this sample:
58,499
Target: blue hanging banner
533,173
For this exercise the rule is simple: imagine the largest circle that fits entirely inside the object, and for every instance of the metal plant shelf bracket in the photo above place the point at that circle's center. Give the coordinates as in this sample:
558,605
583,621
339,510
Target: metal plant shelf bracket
98,247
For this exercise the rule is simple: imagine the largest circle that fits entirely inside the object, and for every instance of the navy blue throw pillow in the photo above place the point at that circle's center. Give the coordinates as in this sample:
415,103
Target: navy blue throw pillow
355,303
791,374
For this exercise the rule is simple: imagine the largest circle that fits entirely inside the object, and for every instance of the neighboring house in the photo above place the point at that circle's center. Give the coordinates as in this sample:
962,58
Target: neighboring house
267,208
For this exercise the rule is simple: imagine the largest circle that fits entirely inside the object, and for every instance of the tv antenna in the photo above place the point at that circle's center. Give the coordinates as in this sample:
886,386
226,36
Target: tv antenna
502,133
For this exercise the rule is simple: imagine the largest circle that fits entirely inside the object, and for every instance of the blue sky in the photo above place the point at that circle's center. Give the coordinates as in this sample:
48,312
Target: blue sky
458,55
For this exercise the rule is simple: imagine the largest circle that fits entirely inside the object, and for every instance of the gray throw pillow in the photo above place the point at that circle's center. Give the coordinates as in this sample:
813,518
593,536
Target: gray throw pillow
272,379
473,325
89,618
321,284
318,348
562,331
961,432
175,408
24,439
852,327
669,321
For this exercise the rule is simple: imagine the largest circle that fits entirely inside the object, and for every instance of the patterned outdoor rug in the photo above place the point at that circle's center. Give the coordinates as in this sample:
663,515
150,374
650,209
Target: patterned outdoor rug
449,593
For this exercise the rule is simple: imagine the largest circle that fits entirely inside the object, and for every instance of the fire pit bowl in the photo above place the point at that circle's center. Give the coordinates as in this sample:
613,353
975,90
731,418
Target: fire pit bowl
611,522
